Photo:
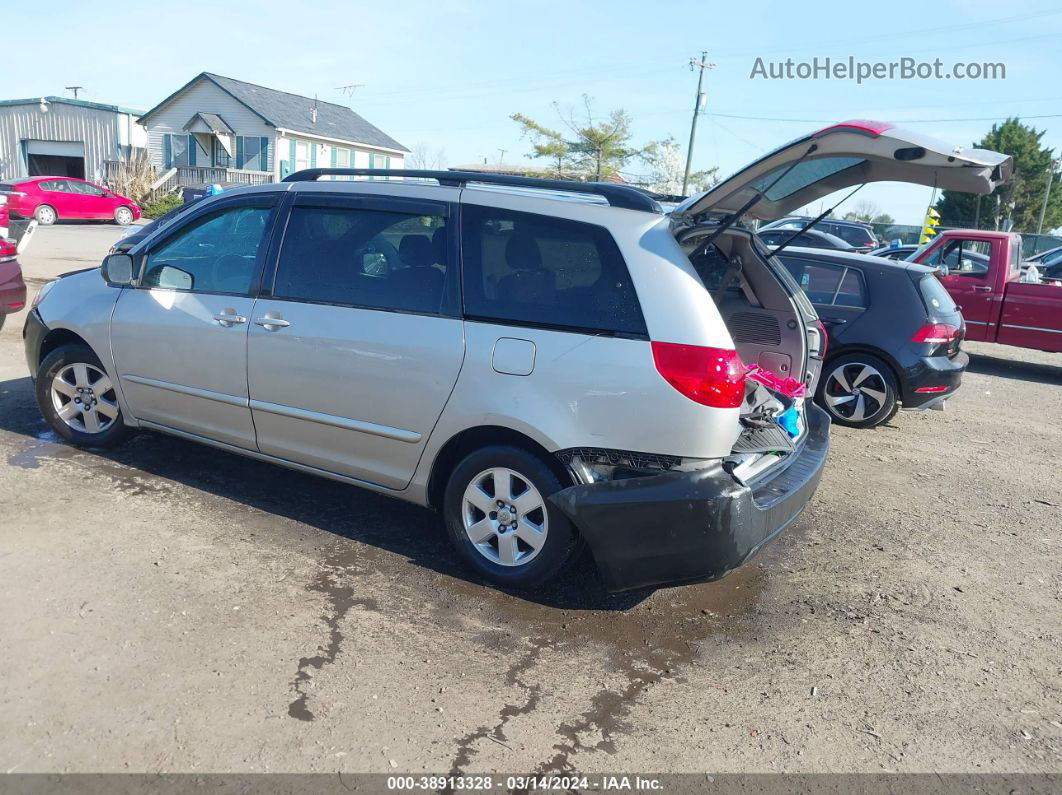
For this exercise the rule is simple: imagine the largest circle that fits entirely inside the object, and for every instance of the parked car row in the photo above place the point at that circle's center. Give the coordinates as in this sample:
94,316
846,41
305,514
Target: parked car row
546,363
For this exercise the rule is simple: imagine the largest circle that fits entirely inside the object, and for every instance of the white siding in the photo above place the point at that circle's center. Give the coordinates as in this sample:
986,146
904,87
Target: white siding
205,97
324,148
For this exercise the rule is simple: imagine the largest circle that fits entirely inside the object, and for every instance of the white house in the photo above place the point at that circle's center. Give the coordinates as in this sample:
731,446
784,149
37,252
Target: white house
216,129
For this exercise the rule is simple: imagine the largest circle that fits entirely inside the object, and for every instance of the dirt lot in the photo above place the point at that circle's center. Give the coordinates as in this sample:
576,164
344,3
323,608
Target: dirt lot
172,608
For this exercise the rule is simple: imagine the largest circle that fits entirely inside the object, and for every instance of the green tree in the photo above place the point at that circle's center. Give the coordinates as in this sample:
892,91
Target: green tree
592,148
547,143
1020,199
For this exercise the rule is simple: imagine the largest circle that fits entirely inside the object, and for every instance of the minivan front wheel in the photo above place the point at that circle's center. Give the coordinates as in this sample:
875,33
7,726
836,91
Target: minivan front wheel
858,390
500,520
78,399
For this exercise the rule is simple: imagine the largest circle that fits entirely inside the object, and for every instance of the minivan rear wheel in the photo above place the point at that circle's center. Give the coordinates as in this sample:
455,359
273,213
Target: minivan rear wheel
500,521
858,390
78,398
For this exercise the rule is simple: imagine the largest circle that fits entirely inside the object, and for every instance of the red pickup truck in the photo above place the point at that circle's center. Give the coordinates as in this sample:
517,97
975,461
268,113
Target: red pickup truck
984,277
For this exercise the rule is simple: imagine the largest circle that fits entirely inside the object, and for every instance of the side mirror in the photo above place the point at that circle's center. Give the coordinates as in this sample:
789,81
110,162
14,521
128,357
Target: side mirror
117,269
169,277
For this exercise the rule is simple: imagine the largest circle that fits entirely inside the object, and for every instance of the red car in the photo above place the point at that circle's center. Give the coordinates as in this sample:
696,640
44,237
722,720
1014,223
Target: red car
49,199
12,288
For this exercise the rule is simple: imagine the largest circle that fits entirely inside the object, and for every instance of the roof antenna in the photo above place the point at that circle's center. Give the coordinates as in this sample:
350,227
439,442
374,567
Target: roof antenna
313,113
348,91
75,89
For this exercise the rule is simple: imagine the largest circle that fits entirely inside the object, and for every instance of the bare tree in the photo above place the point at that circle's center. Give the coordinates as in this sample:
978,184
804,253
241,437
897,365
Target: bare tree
421,157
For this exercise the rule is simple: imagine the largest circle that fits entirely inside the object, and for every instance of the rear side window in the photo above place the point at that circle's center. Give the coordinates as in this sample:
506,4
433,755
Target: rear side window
354,256
829,285
544,271
936,297
855,235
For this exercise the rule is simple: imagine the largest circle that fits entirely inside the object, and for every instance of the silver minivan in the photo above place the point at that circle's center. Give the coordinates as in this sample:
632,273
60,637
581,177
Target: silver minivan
549,364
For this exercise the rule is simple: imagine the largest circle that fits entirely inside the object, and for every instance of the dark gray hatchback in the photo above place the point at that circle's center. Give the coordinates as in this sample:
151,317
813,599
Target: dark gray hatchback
894,334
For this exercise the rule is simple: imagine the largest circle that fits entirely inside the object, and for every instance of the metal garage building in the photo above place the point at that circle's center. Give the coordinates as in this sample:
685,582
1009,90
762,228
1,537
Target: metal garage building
57,136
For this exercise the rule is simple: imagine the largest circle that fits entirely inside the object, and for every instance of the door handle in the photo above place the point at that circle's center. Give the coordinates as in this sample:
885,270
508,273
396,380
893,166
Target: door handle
229,318
981,288
272,322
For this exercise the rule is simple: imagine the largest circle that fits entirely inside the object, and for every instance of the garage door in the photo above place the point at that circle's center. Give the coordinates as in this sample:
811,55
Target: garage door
55,158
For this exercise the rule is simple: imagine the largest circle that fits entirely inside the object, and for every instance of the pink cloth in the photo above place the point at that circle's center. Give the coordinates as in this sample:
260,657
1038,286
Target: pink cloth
789,387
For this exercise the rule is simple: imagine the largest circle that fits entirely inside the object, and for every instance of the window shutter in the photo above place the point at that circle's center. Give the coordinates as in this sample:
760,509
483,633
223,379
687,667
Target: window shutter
292,154
167,151
372,160
264,155
191,149
333,157
313,155
239,151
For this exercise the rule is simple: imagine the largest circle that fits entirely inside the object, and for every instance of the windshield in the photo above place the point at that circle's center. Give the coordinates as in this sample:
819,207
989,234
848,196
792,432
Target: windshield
918,251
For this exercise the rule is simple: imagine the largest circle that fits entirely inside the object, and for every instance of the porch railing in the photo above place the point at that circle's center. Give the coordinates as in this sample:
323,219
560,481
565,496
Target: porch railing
182,176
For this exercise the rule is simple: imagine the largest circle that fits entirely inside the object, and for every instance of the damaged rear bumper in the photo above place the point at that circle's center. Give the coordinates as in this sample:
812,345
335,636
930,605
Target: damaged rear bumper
684,527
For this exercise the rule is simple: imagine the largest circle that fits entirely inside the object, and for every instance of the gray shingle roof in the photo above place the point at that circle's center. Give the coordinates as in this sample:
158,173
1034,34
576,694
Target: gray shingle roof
293,112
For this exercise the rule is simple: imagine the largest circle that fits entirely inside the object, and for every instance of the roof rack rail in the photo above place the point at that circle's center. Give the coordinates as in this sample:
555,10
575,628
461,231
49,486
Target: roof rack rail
624,196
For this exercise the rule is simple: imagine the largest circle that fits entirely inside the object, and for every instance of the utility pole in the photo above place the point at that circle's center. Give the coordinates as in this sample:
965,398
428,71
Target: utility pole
501,156
698,105
1047,195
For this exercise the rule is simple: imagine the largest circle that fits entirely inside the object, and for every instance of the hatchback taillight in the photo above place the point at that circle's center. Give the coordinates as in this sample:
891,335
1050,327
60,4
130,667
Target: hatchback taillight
936,333
8,251
710,376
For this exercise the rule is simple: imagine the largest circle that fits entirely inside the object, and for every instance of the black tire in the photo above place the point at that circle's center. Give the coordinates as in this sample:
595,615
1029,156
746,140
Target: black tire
3,317
48,218
62,357
561,541
882,382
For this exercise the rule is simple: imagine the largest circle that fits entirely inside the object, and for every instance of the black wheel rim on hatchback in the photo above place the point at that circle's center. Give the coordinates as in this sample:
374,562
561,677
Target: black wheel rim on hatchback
855,391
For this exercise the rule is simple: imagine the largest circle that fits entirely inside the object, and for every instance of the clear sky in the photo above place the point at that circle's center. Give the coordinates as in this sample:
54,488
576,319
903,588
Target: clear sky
449,73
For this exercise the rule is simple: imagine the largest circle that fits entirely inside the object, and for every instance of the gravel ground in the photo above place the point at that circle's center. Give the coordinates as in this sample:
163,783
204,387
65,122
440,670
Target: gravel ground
173,608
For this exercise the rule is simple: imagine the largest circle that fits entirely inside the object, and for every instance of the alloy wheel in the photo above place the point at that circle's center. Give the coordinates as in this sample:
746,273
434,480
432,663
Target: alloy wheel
84,398
504,517
855,391
124,216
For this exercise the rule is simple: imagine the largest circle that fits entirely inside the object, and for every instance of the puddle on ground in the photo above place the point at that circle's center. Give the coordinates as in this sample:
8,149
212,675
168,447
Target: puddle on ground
48,445
333,581
648,637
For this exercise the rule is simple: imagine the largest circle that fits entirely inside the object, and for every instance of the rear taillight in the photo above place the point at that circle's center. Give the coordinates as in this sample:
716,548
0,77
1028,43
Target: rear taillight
8,251
825,339
710,376
936,333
